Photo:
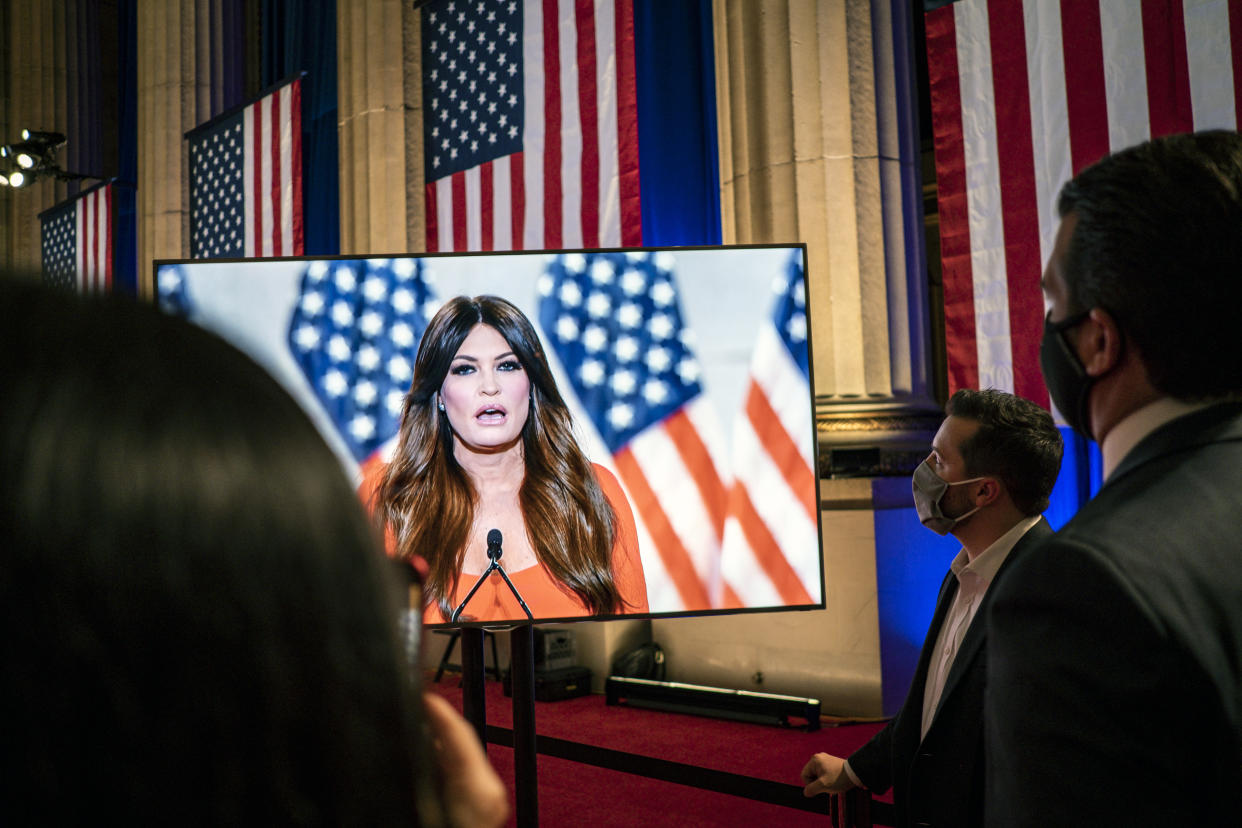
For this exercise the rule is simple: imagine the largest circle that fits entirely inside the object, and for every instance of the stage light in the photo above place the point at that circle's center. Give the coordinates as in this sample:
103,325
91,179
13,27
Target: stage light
35,157
47,139
4,181
32,154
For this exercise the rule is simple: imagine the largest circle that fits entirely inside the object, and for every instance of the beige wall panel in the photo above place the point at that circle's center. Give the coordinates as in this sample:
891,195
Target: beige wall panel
180,65
598,644
27,75
201,59
372,52
168,100
56,82
7,235
37,100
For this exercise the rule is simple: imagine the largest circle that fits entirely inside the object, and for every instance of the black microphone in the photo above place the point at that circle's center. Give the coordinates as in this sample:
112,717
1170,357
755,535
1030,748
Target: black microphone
493,545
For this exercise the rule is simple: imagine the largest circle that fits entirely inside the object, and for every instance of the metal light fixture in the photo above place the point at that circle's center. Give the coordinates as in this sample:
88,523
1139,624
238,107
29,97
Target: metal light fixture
33,157
26,159
51,139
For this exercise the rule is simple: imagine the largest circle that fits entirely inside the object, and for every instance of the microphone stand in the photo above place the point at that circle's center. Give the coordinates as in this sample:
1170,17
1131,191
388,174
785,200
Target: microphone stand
493,553
522,681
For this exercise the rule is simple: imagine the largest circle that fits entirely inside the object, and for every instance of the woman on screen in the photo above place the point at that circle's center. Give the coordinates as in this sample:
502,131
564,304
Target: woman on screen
486,442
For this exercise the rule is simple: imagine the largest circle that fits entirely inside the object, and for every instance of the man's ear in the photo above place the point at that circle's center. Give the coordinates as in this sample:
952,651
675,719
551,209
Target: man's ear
1100,343
987,491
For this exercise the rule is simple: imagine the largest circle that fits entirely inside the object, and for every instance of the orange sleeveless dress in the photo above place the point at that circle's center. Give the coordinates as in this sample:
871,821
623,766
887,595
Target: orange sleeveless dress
547,597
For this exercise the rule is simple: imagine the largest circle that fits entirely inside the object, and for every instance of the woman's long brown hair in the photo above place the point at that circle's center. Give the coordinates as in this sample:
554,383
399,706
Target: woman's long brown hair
428,500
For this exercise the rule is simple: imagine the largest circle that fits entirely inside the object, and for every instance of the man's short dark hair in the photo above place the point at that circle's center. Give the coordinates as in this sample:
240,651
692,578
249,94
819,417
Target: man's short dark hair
1017,442
1158,244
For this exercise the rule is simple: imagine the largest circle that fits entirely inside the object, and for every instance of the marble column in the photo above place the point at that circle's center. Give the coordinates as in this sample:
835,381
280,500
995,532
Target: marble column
818,143
379,104
187,50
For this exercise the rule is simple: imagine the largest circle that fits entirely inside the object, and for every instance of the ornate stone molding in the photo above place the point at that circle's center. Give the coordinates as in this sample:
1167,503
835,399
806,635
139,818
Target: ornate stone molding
873,440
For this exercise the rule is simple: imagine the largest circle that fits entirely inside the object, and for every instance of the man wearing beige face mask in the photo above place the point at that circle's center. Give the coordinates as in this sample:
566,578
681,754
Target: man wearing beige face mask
987,480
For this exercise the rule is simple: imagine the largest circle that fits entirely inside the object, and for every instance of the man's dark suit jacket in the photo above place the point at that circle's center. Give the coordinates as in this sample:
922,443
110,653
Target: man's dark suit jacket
938,780
1115,654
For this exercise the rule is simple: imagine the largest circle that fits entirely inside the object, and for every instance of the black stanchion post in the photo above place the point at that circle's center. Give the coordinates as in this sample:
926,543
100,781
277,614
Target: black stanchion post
522,674
473,706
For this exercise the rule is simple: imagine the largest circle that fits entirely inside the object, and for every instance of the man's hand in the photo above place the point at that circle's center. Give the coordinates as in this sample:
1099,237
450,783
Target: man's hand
474,794
825,773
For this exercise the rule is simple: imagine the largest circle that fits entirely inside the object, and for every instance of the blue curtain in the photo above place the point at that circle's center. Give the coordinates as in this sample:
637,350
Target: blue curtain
679,171
300,35
125,234
1080,479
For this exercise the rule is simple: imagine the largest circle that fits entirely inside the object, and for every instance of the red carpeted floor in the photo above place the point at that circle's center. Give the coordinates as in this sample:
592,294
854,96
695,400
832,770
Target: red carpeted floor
572,794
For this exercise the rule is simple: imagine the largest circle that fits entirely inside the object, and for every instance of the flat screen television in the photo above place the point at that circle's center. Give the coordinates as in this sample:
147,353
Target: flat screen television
686,373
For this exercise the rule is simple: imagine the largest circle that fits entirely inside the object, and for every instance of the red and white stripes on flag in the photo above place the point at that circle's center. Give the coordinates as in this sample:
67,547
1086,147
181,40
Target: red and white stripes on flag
672,476
273,173
574,182
77,241
770,554
94,234
1025,93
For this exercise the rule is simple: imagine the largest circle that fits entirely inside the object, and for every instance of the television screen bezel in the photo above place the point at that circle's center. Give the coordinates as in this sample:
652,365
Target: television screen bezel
157,264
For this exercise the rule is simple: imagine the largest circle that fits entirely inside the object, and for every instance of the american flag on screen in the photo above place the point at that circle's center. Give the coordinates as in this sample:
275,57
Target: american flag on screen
354,332
246,180
614,322
531,126
770,554
172,292
1025,93
77,242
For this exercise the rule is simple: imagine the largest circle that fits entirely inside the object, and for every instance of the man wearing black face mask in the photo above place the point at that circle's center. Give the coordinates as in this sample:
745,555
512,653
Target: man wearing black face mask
987,480
1115,653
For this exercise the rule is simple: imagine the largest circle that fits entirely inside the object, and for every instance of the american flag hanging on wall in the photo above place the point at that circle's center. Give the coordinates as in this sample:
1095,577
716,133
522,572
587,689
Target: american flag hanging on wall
246,179
78,241
1025,93
531,126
